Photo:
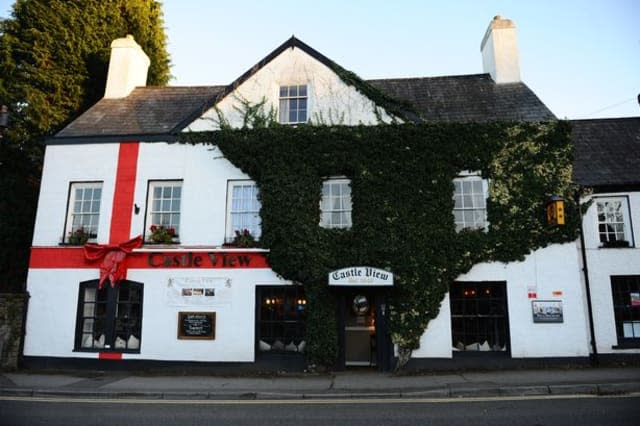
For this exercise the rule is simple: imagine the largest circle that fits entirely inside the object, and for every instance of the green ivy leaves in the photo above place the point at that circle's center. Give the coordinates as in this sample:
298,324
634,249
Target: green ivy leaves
401,177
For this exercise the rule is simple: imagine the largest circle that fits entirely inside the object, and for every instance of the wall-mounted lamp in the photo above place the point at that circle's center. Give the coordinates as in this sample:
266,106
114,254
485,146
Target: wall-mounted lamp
555,210
136,209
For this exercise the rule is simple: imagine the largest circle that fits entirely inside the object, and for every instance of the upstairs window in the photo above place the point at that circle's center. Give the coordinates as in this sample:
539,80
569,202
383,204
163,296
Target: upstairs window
335,204
243,209
613,222
83,212
293,104
163,210
470,201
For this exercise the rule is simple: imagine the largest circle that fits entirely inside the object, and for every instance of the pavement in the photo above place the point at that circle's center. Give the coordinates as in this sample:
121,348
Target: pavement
337,385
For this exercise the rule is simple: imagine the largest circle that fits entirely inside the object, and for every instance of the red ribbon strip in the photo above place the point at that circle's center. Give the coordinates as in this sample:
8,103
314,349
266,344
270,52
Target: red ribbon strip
112,255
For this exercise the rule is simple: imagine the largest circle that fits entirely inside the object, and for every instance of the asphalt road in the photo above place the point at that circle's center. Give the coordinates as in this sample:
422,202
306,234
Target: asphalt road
538,411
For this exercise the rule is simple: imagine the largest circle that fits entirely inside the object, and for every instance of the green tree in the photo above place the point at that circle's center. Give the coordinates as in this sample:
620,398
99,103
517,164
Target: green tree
54,57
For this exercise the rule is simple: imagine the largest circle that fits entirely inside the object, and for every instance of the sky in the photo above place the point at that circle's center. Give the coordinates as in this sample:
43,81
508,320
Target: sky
582,58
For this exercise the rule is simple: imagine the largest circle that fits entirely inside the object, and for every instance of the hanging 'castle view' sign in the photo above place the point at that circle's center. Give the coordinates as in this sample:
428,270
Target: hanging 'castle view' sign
361,275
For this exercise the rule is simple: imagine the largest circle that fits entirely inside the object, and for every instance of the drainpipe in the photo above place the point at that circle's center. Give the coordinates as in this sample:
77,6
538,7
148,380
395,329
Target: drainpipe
585,270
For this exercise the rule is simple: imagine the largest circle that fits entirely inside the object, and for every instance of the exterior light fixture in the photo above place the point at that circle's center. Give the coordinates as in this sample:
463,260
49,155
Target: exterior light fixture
555,210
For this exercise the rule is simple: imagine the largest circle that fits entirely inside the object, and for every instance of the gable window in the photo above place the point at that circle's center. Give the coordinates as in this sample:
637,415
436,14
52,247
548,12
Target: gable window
470,201
293,104
335,204
243,208
625,291
83,211
110,318
163,208
613,221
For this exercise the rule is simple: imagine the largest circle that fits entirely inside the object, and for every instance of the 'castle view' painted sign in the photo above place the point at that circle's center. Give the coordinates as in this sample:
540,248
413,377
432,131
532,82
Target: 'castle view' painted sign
361,275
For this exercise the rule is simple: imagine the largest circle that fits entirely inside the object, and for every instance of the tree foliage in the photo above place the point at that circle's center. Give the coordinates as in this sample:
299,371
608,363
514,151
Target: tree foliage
54,58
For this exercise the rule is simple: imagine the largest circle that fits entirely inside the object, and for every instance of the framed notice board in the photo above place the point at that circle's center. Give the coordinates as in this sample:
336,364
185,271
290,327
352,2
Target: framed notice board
197,325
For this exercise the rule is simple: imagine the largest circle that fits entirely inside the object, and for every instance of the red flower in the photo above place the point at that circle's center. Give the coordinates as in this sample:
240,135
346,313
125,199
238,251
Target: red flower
153,228
171,231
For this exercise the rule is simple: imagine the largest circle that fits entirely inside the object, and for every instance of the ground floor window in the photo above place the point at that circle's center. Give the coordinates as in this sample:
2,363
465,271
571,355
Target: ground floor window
110,318
626,307
281,318
479,320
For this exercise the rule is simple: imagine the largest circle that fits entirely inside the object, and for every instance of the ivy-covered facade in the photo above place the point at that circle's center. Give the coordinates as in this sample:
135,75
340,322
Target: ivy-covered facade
301,216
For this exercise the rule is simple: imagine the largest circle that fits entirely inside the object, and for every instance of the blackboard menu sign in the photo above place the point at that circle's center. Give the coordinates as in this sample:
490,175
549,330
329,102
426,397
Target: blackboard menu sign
197,325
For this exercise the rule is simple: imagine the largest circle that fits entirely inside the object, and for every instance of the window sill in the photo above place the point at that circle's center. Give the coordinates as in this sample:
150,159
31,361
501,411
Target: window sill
627,345
616,245
115,351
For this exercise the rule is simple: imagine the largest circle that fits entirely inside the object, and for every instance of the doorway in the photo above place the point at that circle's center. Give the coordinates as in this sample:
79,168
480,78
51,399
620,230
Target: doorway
359,329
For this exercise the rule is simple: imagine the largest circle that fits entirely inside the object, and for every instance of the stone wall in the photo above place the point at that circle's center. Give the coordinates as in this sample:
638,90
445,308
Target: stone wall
11,308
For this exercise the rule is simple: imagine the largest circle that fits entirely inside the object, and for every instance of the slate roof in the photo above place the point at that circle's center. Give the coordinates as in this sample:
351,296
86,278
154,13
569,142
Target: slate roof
466,98
607,152
158,113
149,111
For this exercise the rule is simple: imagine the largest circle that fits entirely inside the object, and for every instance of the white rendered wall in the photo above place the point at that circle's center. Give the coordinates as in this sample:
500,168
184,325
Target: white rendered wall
602,263
51,321
330,100
204,190
551,269
64,164
202,168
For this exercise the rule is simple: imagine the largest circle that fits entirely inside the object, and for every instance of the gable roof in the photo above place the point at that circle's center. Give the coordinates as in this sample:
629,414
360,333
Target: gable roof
607,152
466,98
159,113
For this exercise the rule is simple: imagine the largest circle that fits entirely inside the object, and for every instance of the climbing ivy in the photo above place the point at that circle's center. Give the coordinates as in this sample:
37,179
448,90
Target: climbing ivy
401,177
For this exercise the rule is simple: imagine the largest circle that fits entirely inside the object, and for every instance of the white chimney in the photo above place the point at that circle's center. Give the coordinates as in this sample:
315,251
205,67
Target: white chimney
128,68
500,51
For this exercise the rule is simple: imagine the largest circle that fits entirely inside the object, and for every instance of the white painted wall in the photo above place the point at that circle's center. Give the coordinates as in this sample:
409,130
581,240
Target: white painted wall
51,322
203,169
602,263
330,101
554,268
64,164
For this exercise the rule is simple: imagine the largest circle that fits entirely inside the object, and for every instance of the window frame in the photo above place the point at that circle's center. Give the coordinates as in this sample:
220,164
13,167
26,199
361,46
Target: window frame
111,304
151,184
471,177
623,312
68,222
328,224
229,234
290,322
284,116
626,221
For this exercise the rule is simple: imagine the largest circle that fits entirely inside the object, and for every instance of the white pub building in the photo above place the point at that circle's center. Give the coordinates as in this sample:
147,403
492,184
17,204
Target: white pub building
132,264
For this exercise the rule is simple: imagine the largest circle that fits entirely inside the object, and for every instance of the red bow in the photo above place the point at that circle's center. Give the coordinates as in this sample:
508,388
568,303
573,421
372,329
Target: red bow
112,266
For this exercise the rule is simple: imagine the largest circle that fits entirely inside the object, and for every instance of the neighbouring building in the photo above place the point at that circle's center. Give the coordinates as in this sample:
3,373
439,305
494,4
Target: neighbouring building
163,221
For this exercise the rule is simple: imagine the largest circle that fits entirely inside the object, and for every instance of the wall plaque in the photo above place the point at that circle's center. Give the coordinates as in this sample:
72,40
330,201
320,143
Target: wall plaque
197,325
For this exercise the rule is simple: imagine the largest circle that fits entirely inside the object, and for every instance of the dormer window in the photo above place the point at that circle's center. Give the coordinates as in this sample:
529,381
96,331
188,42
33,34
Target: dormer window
293,104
